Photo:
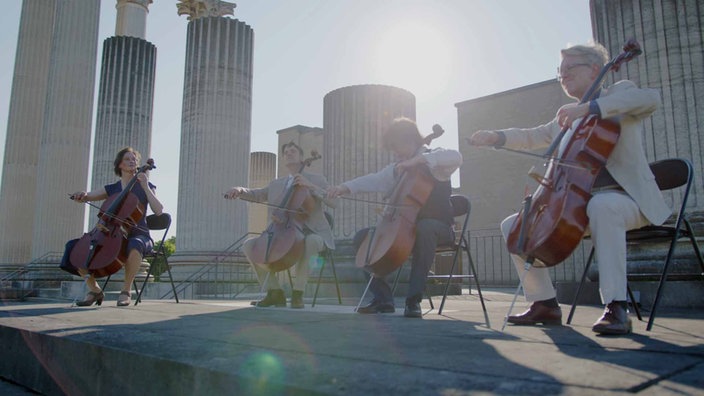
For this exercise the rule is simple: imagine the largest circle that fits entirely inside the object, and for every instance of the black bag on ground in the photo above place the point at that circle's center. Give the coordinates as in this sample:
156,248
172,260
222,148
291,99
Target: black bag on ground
66,259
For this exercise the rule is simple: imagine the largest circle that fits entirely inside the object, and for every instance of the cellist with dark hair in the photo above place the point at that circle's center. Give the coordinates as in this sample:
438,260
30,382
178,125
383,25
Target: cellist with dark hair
625,195
125,166
434,219
317,232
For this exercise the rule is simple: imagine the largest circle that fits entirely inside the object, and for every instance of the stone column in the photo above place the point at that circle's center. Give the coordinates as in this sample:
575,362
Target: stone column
354,119
126,94
671,35
24,126
132,18
215,138
672,39
65,139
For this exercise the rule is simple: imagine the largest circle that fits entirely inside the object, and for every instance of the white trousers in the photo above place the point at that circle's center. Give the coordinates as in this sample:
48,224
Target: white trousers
611,214
313,244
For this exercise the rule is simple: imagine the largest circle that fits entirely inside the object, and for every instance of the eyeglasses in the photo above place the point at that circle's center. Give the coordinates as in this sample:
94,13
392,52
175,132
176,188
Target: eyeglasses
561,73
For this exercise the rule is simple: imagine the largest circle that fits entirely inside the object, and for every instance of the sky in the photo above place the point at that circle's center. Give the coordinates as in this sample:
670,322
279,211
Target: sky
442,51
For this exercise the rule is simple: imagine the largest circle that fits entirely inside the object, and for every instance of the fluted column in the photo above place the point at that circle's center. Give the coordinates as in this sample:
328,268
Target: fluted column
671,35
125,103
672,38
215,136
65,139
24,126
354,119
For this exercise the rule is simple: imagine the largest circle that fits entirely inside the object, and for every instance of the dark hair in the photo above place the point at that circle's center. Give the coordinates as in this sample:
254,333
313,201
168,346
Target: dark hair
402,129
120,155
291,144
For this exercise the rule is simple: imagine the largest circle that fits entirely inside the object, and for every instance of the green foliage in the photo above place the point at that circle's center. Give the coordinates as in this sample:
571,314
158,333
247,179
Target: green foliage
159,263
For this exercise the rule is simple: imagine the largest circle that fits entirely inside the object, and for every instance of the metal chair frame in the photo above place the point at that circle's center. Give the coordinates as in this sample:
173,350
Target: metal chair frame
669,174
155,223
461,206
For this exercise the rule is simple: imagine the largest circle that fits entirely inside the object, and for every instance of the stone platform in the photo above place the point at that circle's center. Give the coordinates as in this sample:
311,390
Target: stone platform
201,347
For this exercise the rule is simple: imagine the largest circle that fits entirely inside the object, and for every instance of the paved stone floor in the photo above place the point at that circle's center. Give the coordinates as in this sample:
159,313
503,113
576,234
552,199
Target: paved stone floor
228,347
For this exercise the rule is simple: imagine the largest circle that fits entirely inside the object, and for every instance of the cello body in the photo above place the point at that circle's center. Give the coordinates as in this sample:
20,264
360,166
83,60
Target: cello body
103,250
387,246
557,218
554,219
282,244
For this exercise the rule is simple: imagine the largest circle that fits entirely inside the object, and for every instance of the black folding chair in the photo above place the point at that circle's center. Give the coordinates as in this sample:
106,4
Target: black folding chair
669,174
155,223
460,207
327,255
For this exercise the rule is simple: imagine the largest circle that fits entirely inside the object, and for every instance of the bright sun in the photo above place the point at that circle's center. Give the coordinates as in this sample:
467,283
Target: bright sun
415,57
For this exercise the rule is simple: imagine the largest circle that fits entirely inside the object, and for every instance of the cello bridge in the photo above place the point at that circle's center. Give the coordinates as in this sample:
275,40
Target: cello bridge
547,183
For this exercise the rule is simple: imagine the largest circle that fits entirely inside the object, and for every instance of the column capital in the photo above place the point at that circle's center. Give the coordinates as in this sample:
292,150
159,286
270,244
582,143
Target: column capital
205,8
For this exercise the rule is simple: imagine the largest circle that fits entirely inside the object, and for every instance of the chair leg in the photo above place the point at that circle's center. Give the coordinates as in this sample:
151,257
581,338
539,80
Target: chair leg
634,303
449,279
106,281
328,255
334,275
663,277
581,283
317,286
430,300
476,282
144,285
171,278
695,245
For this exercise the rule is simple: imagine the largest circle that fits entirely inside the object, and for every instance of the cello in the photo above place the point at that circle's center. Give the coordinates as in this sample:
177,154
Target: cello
281,245
387,245
553,219
102,251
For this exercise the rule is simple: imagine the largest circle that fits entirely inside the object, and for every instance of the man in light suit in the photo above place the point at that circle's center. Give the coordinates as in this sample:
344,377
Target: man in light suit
318,233
625,195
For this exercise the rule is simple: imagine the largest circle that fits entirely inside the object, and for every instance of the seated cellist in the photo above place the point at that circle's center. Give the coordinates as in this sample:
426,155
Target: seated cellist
434,220
125,167
316,228
625,195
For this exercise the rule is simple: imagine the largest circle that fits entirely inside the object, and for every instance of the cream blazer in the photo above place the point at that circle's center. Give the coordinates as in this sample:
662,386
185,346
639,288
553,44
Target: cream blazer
628,105
441,162
317,222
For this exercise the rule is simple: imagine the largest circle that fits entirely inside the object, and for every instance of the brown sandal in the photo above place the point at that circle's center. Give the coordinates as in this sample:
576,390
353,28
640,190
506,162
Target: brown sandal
92,297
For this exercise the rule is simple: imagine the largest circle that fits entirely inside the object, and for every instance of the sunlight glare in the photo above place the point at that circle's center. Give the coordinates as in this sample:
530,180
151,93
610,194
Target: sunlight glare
413,56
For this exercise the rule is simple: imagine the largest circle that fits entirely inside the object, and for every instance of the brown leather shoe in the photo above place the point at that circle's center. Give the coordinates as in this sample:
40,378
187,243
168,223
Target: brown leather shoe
614,321
297,299
538,313
274,297
377,307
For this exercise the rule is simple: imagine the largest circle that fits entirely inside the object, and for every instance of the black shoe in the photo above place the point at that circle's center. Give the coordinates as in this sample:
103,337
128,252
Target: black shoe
273,297
412,310
377,307
297,299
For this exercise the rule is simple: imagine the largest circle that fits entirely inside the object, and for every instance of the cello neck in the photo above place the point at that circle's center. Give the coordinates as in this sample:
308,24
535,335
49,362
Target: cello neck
120,198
